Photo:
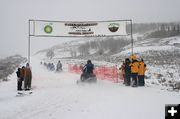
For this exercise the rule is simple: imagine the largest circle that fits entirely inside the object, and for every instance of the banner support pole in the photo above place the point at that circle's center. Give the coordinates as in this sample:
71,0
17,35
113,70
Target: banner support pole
29,38
131,40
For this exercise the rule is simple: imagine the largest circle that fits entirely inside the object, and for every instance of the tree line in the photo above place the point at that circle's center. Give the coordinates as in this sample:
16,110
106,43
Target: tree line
108,45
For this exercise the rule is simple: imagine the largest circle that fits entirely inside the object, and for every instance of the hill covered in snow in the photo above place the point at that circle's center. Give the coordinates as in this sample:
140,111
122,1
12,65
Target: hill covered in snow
8,65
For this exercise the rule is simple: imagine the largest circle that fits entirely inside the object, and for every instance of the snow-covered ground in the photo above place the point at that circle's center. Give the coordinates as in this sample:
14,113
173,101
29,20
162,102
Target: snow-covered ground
57,96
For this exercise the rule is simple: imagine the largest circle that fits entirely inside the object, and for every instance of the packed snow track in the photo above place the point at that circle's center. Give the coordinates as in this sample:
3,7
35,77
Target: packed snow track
57,96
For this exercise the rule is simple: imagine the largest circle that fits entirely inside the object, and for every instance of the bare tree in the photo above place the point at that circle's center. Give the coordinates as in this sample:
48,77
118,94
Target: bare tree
50,54
101,51
73,53
84,49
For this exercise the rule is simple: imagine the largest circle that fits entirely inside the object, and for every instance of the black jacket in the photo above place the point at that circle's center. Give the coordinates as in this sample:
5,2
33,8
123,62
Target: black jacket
18,73
127,68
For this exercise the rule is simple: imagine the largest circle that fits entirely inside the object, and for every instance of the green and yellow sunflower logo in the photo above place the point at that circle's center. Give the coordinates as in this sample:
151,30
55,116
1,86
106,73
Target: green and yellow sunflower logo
48,29
113,27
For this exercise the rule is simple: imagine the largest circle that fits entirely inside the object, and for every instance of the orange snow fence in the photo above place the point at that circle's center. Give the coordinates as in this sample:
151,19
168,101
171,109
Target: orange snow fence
101,72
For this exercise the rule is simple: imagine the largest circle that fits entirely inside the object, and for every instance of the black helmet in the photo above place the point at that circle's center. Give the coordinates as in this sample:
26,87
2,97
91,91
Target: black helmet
127,60
27,65
89,61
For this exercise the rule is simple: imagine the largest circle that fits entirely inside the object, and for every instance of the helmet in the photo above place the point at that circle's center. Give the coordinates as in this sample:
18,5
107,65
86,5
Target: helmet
27,65
89,61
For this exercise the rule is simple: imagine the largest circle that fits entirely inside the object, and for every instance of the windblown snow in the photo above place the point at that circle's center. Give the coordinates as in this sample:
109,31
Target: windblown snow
57,96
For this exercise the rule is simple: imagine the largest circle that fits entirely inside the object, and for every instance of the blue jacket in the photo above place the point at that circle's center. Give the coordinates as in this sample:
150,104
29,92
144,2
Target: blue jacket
89,68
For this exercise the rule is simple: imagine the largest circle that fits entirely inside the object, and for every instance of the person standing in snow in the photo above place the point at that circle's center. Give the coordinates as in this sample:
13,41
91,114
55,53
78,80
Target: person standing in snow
22,73
141,73
49,66
59,66
27,77
52,68
127,70
122,72
134,70
19,80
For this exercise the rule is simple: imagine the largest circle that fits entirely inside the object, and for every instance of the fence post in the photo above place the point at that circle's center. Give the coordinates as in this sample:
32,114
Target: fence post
103,72
116,74
113,74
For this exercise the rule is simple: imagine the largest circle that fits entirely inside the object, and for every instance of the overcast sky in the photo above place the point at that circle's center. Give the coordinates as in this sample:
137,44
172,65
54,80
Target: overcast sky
14,15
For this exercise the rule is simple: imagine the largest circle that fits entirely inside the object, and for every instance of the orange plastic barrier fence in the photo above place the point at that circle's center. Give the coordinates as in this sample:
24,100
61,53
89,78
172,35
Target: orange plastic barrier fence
102,72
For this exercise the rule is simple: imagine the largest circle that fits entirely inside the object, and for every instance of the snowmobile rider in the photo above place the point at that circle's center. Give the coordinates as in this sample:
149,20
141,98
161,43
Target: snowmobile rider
88,68
87,74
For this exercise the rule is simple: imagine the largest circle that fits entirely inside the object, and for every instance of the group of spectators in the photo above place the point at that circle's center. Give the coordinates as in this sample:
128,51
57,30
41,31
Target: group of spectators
24,74
133,69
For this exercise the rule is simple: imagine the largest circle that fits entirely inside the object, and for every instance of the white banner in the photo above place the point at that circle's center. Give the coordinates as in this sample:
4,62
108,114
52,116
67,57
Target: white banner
78,29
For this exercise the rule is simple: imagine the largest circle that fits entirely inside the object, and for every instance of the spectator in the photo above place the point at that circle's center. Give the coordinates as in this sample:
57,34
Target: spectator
141,73
22,73
19,80
127,72
59,66
122,72
27,77
134,70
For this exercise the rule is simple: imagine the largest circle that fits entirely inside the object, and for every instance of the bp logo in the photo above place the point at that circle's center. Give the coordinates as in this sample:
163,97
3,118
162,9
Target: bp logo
48,29
113,27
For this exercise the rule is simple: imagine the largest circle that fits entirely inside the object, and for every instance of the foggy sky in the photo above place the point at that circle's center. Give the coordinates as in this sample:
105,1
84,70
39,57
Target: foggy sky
14,16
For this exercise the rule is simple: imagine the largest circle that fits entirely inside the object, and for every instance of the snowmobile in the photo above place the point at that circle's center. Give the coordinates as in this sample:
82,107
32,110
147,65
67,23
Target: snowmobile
87,78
